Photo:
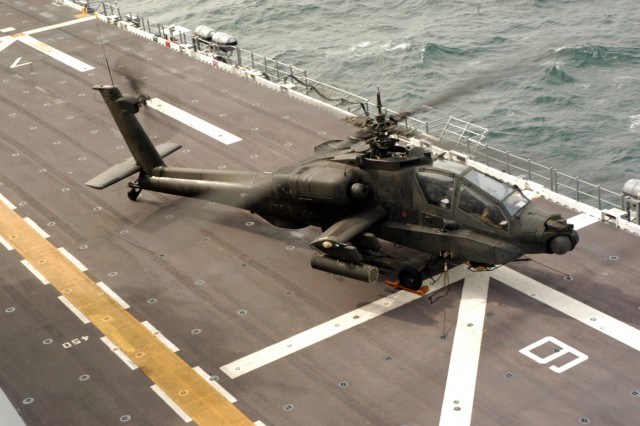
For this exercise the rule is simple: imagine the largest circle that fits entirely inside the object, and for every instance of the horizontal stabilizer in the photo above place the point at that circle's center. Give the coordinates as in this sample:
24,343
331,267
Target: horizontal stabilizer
127,168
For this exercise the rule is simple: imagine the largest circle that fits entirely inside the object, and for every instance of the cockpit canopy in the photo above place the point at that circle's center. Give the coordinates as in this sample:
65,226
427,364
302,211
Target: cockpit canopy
478,195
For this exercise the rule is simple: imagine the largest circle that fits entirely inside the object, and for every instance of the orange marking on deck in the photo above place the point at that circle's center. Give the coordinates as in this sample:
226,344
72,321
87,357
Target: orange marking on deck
166,369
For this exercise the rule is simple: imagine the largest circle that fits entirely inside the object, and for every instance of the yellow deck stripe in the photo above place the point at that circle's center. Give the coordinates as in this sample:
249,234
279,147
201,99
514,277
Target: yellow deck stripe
166,369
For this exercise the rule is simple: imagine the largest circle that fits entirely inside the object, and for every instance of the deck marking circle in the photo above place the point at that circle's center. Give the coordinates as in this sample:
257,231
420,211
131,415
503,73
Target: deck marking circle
152,301
112,274
568,278
214,378
107,318
242,312
291,248
183,392
10,310
47,341
84,377
288,407
343,384
41,261
27,401
614,257
196,331
124,232
249,224
42,170
125,418
199,282
222,166
83,247
169,216
22,203
635,393
288,144
140,354
97,209
584,420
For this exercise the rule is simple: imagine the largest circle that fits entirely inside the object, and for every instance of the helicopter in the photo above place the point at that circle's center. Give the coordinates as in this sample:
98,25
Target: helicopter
358,191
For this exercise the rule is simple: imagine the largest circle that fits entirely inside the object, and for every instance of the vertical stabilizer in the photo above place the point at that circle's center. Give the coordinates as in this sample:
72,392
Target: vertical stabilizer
123,109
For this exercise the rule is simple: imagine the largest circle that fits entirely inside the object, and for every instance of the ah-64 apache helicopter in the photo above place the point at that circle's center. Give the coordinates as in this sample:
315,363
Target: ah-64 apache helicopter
358,191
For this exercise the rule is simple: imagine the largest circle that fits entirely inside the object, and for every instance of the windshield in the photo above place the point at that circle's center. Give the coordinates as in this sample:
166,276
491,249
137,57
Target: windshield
512,199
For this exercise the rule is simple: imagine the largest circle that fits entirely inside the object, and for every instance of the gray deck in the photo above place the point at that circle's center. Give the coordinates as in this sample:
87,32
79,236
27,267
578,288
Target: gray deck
221,284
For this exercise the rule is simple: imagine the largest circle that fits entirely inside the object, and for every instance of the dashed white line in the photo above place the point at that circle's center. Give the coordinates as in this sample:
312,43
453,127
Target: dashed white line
171,403
118,352
35,272
35,226
72,259
113,295
160,336
7,202
6,244
214,384
73,309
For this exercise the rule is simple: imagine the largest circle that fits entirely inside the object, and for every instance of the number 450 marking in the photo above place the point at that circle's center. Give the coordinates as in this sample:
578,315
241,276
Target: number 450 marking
75,342
580,357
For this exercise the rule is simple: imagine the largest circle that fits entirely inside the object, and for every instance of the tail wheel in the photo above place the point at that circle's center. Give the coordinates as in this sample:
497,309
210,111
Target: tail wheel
410,277
133,194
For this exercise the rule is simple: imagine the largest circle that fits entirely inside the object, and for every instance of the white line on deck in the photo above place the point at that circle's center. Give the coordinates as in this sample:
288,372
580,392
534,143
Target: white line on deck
193,121
6,42
582,220
55,53
73,309
72,259
595,319
160,336
35,226
6,244
60,25
118,352
113,295
330,328
35,272
457,404
171,403
6,201
214,384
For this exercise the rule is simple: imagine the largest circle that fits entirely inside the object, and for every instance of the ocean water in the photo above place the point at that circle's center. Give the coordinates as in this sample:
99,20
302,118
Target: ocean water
555,81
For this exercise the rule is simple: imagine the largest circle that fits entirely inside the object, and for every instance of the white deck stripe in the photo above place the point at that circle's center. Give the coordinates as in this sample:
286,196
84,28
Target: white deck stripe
55,53
61,24
214,384
6,42
595,319
118,352
193,121
35,272
582,220
457,404
171,403
160,336
73,309
6,244
6,201
72,259
330,328
35,226
112,294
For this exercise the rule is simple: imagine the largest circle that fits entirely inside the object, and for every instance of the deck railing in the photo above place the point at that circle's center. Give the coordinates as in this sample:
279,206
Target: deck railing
449,132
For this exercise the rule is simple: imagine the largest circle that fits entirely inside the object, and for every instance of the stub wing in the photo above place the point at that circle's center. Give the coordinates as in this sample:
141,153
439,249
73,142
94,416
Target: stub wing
127,168
335,240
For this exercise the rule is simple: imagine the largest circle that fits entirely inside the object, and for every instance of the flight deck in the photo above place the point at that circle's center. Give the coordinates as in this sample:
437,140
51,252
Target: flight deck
170,310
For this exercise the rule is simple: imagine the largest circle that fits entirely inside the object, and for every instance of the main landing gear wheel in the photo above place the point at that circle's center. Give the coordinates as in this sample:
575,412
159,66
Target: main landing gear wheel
410,277
133,194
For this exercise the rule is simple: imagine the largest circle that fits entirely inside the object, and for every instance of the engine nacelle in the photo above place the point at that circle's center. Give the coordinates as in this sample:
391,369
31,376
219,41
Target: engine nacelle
322,184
